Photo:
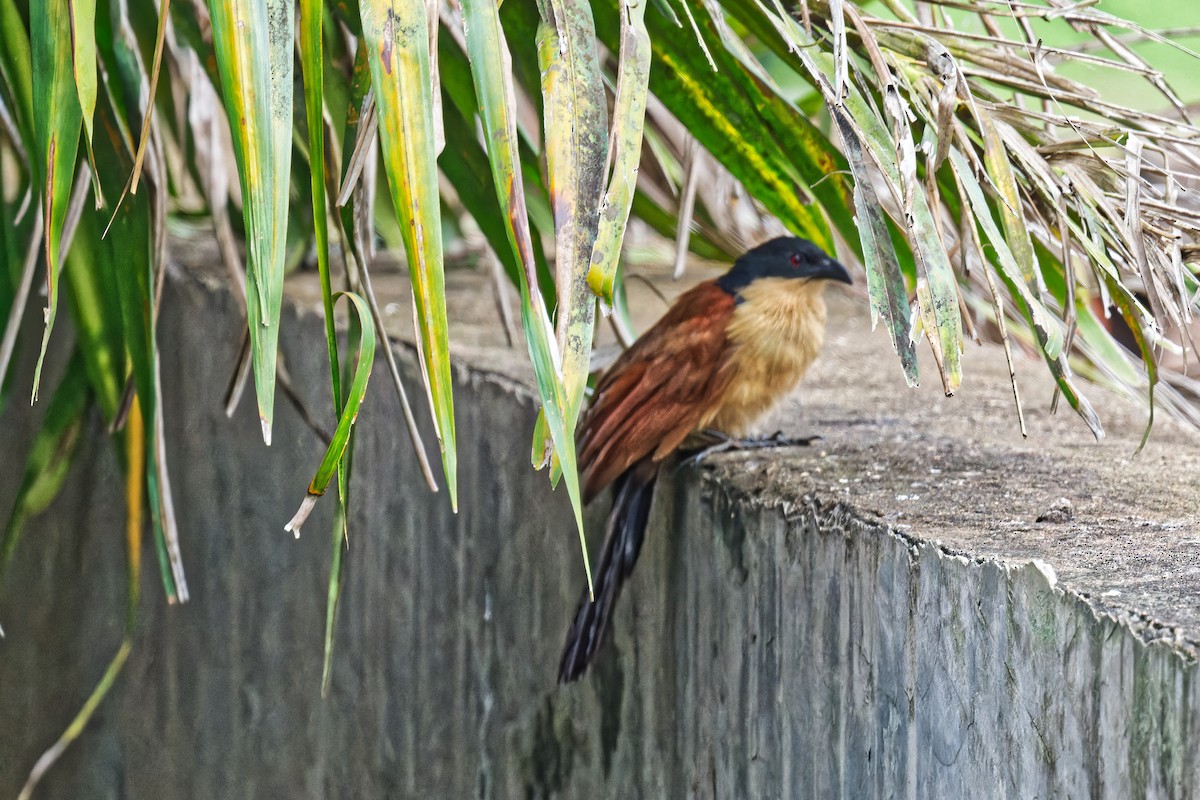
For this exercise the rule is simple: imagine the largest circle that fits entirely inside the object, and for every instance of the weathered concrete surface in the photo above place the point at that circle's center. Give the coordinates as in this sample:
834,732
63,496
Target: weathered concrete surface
793,630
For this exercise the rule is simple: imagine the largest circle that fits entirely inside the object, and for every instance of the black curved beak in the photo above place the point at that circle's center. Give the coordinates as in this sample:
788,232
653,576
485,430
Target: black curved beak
832,270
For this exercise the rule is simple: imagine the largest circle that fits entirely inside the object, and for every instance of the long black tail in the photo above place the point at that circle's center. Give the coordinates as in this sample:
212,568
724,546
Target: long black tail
624,533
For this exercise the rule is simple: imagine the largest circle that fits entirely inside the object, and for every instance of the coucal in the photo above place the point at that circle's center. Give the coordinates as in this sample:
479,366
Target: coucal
723,354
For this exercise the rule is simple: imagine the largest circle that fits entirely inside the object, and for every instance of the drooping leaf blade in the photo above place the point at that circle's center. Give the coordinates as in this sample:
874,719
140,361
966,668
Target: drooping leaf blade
1050,334
355,390
885,281
487,48
629,118
252,40
1016,234
396,35
56,125
125,259
95,306
311,41
576,149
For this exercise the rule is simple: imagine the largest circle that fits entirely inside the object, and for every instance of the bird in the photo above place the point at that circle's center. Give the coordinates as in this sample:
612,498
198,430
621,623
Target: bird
723,355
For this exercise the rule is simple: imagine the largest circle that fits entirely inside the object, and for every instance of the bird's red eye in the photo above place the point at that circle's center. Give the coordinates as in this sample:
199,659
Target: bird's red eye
795,259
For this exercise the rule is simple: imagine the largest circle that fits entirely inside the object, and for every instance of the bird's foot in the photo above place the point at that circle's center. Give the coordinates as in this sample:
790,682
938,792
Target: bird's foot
723,443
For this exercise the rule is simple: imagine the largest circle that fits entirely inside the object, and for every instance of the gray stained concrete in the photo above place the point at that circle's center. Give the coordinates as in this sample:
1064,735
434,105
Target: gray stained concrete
859,619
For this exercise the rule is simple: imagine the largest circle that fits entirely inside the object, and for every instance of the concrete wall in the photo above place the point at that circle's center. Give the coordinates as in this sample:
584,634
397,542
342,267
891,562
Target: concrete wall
766,647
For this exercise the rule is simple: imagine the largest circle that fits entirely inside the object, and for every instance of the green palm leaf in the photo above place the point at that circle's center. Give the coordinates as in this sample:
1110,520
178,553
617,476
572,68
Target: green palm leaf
397,38
252,40
56,124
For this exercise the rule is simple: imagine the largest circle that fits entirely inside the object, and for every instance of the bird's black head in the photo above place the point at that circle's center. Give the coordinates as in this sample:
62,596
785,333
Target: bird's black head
785,257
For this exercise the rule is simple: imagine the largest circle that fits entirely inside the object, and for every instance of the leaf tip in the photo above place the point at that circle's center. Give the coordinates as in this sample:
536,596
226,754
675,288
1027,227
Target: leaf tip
266,430
301,515
450,470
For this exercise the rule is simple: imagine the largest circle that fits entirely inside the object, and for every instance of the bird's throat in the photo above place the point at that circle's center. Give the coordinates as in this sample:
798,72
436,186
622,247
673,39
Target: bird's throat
776,333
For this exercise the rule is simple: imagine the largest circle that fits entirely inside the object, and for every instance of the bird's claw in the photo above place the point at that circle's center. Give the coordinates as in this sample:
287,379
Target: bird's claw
719,447
727,443
777,439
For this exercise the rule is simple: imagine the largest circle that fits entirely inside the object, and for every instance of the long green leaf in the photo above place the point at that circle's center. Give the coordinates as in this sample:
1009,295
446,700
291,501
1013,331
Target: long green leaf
56,123
99,301
629,119
333,592
396,33
253,44
125,260
465,164
885,281
487,48
311,16
1050,333
1039,319
95,305
311,49
355,392
576,148
1112,354
340,538
469,169
1016,234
